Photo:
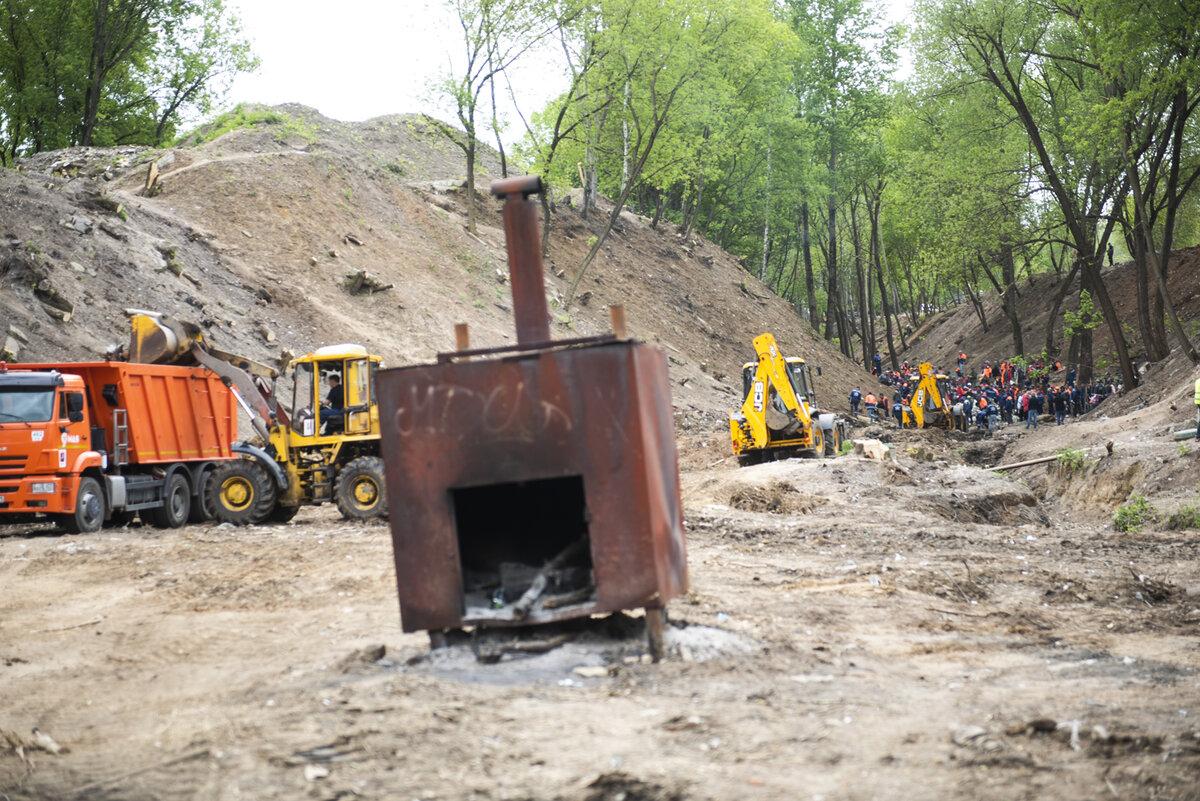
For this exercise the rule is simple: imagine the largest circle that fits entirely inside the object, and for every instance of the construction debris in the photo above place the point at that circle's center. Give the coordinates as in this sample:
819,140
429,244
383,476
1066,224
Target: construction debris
151,187
872,449
362,282
53,303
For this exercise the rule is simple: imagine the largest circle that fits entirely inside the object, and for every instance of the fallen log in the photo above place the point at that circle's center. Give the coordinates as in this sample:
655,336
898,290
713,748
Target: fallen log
1026,463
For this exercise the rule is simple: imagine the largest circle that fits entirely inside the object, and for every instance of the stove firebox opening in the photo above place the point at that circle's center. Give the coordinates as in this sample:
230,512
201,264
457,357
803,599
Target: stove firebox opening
523,547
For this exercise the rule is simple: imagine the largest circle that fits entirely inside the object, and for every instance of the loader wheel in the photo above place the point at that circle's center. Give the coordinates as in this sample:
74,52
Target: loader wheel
242,492
177,503
89,509
833,442
359,489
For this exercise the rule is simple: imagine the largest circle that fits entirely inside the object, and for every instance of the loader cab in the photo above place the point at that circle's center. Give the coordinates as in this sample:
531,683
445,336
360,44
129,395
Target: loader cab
333,393
799,373
943,386
802,383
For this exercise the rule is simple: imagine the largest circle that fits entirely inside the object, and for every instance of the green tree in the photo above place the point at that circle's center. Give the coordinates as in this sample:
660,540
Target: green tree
1029,55
76,72
845,61
680,80
1149,55
495,33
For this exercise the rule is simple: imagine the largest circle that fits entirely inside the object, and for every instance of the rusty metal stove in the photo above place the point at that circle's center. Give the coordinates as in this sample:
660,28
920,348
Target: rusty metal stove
532,483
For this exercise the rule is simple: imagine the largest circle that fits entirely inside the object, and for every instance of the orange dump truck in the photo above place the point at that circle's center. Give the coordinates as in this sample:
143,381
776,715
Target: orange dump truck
83,443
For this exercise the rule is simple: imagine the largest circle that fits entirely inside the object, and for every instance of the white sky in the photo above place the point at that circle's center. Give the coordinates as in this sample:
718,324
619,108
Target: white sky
353,60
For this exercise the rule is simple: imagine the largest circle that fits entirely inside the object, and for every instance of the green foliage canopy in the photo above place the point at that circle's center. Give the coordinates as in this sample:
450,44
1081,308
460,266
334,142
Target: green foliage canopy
106,72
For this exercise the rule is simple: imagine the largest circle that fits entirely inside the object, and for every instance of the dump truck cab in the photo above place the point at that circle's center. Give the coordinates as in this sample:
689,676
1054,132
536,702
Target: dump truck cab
45,446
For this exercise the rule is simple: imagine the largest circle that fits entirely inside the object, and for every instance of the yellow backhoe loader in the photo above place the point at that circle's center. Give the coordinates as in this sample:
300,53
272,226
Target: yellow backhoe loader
931,404
779,416
321,450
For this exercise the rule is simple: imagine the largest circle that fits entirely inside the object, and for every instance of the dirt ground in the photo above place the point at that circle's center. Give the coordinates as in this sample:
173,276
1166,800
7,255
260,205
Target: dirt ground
915,628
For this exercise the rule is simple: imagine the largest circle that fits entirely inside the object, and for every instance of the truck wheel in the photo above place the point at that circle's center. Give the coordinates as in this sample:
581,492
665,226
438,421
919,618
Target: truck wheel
241,492
202,508
177,503
359,490
89,509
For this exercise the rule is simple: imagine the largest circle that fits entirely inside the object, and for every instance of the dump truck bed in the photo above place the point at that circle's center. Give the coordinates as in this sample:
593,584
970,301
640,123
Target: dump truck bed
173,414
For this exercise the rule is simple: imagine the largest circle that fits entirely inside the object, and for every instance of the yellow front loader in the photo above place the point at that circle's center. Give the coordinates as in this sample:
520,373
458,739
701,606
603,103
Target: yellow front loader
778,417
307,455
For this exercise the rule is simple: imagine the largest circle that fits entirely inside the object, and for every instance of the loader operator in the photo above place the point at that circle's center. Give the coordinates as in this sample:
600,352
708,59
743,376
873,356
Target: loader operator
334,403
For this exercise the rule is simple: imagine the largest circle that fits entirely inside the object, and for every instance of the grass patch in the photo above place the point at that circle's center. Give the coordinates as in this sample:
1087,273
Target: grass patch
1072,459
1131,516
1186,517
246,117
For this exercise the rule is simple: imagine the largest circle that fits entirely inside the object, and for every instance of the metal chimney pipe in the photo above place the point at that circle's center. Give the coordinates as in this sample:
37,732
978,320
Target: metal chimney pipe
525,257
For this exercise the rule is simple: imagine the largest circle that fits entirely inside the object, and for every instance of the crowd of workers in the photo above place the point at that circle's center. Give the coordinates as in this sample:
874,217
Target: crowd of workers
996,394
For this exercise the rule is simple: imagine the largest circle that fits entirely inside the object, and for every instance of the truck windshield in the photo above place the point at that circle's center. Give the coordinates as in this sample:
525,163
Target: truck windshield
26,404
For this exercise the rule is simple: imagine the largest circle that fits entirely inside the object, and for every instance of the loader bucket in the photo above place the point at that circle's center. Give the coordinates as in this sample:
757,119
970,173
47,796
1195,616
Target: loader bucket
158,339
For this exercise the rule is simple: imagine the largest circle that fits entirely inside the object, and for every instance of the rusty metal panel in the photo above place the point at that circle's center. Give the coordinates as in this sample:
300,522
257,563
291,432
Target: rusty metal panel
602,413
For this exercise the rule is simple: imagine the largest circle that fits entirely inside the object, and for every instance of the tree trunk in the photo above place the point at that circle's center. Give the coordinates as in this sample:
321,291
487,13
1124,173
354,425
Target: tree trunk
810,285
1142,285
1087,365
867,341
496,130
658,208
1007,292
976,303
766,236
880,269
470,187
689,220
1060,295
831,305
912,303
1159,264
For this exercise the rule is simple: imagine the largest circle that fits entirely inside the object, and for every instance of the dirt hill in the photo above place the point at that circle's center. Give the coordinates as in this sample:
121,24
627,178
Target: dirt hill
255,233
